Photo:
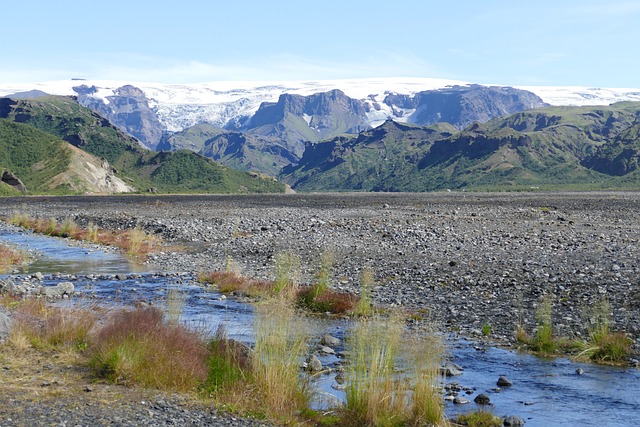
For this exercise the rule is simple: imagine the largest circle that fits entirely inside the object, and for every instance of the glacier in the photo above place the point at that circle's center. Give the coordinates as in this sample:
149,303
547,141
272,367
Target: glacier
179,106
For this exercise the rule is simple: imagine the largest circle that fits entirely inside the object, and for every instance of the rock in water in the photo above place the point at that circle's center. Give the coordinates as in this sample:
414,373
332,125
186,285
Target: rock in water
330,341
504,381
460,400
482,399
314,364
513,421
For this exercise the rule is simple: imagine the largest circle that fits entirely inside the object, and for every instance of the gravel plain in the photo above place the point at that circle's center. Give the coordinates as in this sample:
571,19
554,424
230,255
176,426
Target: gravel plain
463,260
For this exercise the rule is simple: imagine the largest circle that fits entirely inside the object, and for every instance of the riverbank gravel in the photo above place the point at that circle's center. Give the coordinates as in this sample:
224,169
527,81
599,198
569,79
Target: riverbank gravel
462,260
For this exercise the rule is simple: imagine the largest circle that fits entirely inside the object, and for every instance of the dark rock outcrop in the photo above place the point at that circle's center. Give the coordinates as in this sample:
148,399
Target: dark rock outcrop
13,181
463,105
128,109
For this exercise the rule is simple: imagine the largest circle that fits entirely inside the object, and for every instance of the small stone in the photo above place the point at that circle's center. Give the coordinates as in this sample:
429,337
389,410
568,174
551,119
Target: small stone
482,399
88,388
330,341
504,382
513,421
579,371
326,350
314,364
121,276
460,400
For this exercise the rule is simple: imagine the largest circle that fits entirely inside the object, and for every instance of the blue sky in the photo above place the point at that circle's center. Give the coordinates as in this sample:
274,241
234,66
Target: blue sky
561,42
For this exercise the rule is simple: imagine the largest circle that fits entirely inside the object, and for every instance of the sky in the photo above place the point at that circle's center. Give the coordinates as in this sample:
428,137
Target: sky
545,43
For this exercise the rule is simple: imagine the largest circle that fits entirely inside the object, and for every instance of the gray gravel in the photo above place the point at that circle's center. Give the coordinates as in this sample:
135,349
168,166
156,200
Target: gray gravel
463,260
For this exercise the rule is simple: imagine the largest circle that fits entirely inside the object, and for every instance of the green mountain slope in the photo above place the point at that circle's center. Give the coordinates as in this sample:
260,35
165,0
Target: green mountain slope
565,147
140,167
242,151
44,164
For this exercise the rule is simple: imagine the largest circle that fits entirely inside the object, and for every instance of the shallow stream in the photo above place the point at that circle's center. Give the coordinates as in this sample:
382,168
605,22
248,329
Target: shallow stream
545,392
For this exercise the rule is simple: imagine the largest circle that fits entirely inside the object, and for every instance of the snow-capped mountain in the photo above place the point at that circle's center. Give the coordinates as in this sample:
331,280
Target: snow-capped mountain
228,104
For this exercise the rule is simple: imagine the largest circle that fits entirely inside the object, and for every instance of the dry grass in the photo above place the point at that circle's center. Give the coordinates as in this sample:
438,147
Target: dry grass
10,257
45,328
377,394
228,282
134,242
281,342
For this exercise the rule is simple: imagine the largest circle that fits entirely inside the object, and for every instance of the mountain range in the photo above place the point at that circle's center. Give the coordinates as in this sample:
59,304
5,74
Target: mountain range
51,144
551,148
374,135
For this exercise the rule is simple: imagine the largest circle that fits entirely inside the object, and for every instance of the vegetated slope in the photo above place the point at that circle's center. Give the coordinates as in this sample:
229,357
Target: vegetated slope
142,168
276,134
238,150
295,119
44,163
558,147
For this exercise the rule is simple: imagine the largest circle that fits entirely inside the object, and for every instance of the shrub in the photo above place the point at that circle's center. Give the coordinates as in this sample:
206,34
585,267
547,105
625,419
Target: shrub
328,301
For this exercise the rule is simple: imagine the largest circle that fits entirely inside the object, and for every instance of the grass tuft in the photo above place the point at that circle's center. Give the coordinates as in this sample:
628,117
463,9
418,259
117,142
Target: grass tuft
10,257
364,306
479,419
135,242
281,341
45,327
377,395
140,346
604,345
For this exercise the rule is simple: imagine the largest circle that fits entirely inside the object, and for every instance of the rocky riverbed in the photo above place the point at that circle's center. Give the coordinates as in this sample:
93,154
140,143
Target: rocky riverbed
464,260
460,260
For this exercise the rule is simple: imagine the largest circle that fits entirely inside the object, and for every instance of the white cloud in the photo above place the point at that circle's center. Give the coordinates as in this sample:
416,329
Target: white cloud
266,68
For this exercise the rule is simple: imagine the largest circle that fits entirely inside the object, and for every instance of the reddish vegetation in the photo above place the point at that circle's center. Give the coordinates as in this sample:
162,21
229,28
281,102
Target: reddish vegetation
307,297
10,257
135,241
141,346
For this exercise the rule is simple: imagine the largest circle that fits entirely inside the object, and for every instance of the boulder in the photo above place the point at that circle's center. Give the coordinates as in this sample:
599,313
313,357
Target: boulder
330,341
5,326
460,400
58,291
504,382
513,421
482,399
451,370
314,364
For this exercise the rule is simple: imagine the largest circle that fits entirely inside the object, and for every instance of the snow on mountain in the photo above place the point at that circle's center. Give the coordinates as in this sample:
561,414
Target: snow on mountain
182,105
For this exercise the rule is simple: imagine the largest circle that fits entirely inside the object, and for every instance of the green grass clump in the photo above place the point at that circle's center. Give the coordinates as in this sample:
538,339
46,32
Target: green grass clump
605,345
364,307
543,341
280,344
376,394
479,419
230,366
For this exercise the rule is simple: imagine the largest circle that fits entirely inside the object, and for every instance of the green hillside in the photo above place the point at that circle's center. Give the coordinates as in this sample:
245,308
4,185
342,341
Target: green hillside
573,148
35,157
139,167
